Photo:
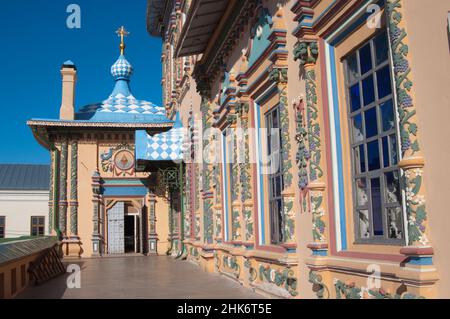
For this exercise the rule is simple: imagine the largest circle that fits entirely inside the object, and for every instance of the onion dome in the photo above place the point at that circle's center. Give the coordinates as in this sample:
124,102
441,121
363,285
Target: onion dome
121,106
122,69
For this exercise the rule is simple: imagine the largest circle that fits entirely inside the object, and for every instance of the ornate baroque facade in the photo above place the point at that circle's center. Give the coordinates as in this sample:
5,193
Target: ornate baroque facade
352,208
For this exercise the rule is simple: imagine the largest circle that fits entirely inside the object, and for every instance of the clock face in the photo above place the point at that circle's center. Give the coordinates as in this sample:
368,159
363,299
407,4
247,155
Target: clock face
124,160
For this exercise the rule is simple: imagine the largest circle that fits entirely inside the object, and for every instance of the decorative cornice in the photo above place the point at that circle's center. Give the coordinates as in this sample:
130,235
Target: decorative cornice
49,123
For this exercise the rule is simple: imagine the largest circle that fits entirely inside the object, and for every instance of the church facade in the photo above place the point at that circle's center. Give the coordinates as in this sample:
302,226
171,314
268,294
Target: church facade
316,166
100,202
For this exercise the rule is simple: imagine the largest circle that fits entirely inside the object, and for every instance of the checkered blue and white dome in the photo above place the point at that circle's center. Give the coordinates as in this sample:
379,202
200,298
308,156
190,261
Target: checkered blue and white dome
121,106
122,69
167,146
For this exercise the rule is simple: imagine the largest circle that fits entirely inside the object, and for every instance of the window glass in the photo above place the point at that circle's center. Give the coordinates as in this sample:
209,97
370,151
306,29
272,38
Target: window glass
381,48
360,159
393,194
352,64
387,116
385,152
362,197
355,97
37,226
365,58
374,137
373,155
395,223
275,178
358,134
368,90
376,207
371,122
2,226
384,82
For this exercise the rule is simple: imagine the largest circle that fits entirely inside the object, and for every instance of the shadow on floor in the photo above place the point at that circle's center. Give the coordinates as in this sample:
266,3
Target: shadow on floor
54,288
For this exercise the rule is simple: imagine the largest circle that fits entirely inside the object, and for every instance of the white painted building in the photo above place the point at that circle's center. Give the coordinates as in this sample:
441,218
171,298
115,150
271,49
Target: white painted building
24,195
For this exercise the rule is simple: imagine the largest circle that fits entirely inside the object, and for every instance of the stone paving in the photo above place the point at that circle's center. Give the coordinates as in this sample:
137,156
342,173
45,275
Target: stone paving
141,278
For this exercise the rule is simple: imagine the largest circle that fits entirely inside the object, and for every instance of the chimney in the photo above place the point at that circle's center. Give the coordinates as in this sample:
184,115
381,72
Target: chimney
69,78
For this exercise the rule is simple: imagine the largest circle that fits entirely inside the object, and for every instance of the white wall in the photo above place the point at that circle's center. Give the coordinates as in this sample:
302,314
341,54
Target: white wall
19,206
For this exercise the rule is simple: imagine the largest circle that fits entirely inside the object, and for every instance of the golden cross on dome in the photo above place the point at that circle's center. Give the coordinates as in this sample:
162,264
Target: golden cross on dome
122,33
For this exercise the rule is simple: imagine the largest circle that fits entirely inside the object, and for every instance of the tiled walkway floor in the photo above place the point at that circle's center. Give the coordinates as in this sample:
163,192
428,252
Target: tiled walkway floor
139,278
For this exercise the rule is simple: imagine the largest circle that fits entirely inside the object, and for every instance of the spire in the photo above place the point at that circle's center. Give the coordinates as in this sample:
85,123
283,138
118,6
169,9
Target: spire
122,33
122,70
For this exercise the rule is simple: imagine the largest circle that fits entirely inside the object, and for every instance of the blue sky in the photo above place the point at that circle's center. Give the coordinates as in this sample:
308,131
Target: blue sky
35,41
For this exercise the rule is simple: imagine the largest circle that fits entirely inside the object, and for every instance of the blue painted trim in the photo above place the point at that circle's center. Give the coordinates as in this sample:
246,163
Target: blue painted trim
125,191
337,123
225,185
340,176
420,261
303,23
355,25
141,145
321,253
261,177
262,99
123,182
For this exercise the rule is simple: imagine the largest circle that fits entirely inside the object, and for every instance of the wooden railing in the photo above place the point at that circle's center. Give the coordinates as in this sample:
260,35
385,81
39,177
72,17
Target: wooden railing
47,266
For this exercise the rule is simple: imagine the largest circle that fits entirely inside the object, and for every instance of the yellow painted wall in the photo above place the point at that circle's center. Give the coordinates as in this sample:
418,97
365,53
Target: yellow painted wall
430,62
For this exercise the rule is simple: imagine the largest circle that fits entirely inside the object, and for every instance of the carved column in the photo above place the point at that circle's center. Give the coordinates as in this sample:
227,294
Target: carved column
217,185
245,179
152,235
206,177
412,161
309,156
97,240
63,189
74,189
279,75
53,192
196,178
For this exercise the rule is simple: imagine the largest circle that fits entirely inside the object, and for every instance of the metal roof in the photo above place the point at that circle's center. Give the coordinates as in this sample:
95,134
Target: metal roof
14,250
202,20
157,16
24,177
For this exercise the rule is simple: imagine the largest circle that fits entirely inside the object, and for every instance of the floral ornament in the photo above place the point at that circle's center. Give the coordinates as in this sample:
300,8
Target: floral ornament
231,263
318,286
416,207
402,69
315,171
208,220
244,177
285,139
302,152
350,291
253,274
289,221
306,52
248,224
285,278
318,213
218,220
236,225
197,226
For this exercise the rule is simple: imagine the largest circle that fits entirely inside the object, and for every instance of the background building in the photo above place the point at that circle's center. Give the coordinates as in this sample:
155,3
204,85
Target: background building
358,207
24,200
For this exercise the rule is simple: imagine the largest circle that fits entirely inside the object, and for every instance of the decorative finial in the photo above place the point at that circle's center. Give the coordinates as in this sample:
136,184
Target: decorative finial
122,33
